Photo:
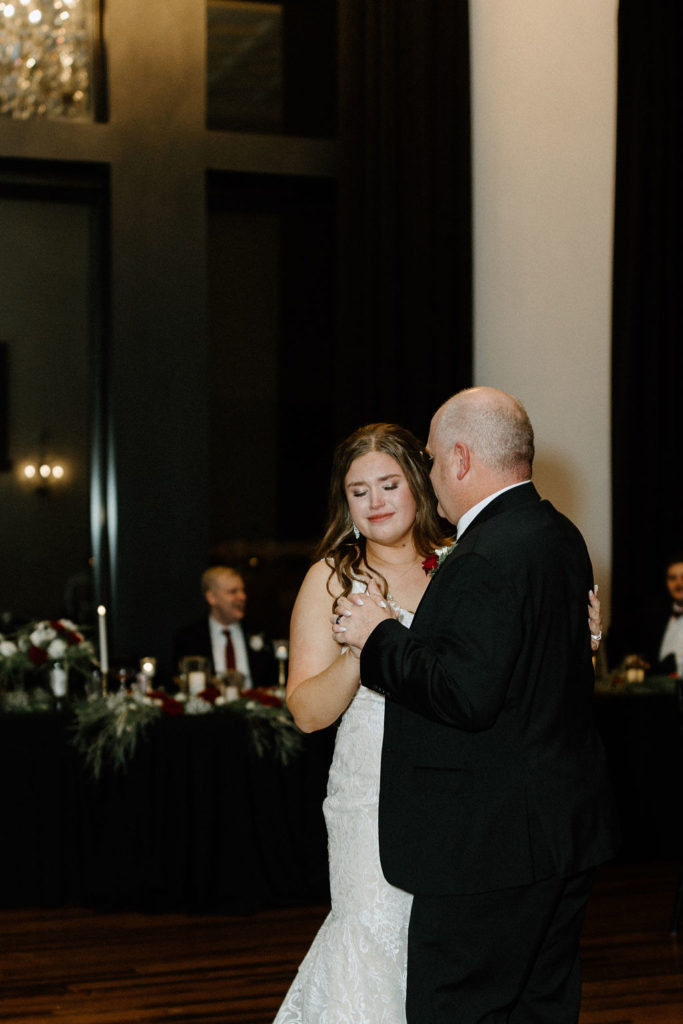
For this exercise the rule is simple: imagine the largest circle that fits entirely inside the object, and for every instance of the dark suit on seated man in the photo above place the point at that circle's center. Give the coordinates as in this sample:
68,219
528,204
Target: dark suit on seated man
670,651
222,636
659,638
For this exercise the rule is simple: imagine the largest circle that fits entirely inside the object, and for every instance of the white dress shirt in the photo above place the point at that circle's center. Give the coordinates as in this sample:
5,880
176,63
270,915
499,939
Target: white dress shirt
672,641
218,641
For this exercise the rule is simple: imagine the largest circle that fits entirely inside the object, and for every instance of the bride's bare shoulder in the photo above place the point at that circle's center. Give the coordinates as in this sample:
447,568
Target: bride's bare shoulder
321,578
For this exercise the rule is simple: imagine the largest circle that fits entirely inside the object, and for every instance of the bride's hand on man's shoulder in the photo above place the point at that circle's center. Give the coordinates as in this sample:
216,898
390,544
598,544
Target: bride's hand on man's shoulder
594,618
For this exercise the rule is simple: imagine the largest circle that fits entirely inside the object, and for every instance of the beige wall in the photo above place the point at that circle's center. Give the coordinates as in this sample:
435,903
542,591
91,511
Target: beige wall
544,115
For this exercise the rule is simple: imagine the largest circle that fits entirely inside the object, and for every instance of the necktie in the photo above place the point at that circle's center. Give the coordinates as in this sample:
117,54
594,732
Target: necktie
229,652
677,610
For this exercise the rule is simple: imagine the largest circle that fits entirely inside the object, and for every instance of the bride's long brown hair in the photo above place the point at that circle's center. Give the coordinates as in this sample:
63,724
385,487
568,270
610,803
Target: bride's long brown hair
339,548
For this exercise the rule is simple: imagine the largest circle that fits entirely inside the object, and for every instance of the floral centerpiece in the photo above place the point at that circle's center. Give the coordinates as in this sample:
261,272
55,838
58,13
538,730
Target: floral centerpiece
42,645
108,728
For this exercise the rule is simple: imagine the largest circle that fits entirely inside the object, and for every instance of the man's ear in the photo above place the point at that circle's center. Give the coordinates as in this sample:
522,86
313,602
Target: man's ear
461,455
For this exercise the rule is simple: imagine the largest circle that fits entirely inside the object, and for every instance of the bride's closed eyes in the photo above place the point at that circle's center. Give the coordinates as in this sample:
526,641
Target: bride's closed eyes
388,483
385,487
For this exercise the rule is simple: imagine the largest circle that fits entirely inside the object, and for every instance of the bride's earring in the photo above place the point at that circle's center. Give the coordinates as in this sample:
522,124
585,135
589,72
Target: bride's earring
356,531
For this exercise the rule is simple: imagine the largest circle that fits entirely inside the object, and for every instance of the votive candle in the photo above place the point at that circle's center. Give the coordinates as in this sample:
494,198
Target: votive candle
196,682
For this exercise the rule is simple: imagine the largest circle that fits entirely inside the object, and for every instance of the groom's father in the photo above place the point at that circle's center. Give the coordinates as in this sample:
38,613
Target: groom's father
494,800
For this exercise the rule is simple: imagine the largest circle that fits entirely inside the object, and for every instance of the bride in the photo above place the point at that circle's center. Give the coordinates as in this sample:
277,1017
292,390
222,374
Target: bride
382,526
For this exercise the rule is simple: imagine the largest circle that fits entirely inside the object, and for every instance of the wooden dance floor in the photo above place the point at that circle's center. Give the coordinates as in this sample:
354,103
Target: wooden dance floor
79,967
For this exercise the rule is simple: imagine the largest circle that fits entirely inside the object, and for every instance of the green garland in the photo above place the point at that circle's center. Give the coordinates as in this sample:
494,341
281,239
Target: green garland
108,729
615,685
271,729
28,702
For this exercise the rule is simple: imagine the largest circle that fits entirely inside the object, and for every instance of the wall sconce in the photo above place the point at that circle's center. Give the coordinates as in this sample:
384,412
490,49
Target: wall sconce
43,472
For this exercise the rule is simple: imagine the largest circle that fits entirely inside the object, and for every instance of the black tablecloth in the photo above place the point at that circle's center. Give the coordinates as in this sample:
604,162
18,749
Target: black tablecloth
198,822
644,747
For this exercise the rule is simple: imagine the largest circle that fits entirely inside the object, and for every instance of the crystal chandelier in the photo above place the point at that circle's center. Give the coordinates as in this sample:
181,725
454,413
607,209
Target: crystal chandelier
46,58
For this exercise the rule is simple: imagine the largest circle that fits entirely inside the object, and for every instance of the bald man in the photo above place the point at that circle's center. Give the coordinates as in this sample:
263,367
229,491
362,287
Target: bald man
495,804
222,637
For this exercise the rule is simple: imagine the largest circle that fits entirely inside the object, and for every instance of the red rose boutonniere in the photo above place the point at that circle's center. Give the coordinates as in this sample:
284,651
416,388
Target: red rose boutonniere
432,562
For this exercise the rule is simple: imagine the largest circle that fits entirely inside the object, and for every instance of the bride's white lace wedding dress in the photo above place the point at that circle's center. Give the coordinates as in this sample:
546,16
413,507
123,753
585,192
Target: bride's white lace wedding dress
355,970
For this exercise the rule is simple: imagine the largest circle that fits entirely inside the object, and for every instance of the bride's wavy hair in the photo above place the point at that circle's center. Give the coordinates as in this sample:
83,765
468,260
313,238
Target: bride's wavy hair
339,548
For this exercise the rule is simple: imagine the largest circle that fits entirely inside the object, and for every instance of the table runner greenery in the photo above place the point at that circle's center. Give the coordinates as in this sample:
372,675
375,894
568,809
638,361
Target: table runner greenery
108,729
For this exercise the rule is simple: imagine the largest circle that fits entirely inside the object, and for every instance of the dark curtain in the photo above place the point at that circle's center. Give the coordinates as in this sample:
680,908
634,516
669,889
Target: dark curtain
405,279
647,359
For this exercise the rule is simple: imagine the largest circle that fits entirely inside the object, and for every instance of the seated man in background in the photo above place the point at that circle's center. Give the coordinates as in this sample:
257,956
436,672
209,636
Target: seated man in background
221,636
670,653
660,639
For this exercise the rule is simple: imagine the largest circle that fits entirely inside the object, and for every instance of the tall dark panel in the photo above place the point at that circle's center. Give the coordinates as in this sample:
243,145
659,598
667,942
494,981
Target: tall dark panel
405,306
647,351
272,67
54,226
271,279
271,301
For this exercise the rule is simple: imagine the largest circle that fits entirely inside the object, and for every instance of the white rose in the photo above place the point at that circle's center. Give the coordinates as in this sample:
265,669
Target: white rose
42,634
256,642
56,649
7,648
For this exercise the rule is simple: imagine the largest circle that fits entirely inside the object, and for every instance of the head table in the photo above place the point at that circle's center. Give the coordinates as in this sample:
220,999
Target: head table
642,730
197,821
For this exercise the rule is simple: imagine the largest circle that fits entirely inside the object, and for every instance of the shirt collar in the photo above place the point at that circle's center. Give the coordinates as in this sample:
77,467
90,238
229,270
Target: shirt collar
472,513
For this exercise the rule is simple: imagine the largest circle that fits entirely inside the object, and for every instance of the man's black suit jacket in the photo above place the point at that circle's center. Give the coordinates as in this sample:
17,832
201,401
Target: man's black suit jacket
196,639
493,774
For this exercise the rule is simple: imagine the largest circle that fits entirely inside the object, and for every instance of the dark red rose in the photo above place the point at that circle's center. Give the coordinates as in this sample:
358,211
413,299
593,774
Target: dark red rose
262,697
38,655
170,706
431,563
68,635
209,694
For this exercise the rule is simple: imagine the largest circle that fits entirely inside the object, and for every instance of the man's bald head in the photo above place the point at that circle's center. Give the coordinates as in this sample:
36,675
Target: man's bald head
494,426
480,441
